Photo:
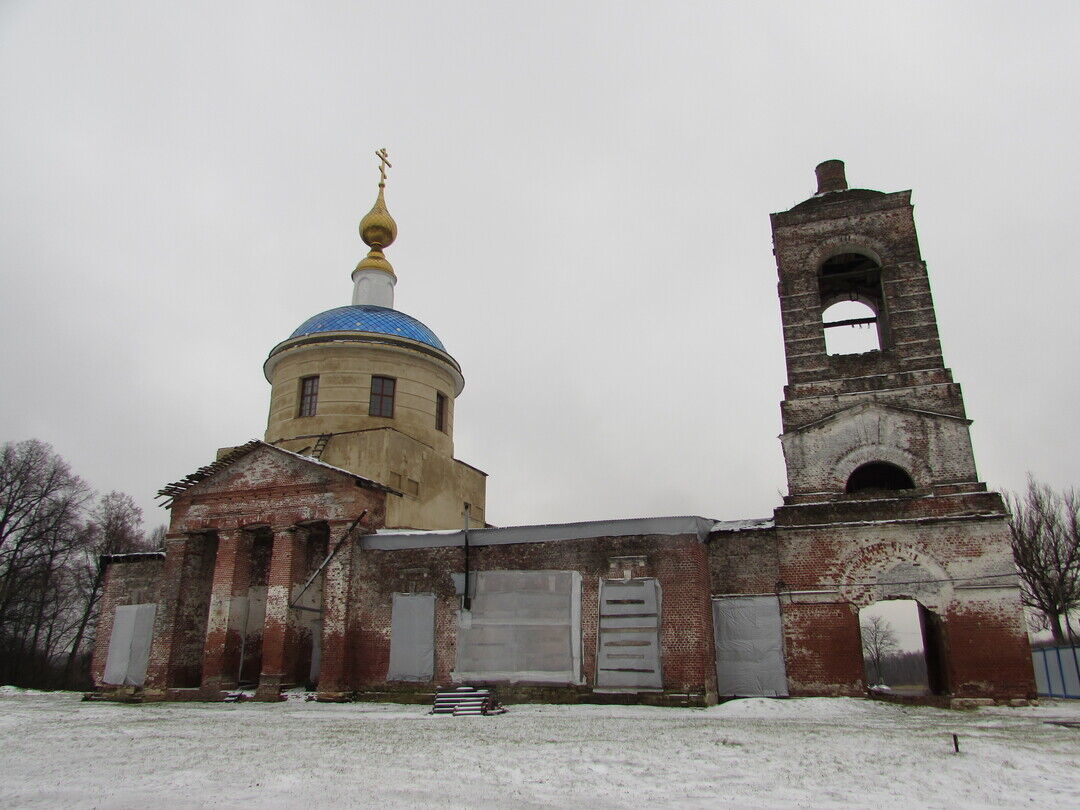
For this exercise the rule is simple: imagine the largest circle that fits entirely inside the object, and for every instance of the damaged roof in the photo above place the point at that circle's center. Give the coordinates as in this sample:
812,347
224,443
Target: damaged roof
176,488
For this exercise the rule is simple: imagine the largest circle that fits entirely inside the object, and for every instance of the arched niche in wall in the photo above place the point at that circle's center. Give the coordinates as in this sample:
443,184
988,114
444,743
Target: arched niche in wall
878,475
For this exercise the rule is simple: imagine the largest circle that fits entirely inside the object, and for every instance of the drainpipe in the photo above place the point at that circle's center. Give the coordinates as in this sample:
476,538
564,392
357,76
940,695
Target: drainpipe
466,603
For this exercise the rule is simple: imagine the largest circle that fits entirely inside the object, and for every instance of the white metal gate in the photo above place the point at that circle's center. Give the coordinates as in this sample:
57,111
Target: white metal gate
749,646
628,655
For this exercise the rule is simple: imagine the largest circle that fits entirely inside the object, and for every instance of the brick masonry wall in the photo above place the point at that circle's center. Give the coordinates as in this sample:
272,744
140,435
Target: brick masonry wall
176,656
822,648
952,567
679,563
269,488
743,562
128,581
933,450
262,491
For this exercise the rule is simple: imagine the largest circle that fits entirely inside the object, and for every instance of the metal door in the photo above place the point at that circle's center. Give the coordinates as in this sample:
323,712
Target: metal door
412,637
628,655
749,646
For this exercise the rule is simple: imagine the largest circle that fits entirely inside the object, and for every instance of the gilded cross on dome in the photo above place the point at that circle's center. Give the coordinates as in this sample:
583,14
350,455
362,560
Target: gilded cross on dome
378,228
383,164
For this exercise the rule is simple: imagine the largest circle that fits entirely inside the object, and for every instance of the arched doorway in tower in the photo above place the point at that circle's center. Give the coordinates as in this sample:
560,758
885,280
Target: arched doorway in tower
903,649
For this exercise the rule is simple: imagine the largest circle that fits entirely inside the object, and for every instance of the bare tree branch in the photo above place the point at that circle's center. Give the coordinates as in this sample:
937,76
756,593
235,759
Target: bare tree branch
878,643
1045,527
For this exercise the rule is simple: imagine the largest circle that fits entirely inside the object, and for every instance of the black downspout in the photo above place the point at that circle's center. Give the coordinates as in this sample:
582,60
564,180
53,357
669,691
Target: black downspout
466,602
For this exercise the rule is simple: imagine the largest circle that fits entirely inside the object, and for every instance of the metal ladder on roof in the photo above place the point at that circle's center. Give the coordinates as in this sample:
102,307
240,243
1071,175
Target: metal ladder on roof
320,445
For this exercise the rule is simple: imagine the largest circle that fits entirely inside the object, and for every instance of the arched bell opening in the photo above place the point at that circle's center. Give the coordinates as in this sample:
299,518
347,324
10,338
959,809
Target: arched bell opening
850,328
878,476
849,285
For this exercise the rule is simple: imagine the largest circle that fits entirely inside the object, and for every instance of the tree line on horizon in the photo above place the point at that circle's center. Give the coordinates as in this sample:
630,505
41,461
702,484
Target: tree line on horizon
54,529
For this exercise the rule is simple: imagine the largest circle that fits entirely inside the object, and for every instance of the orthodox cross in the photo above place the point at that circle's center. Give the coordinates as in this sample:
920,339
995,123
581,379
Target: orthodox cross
383,163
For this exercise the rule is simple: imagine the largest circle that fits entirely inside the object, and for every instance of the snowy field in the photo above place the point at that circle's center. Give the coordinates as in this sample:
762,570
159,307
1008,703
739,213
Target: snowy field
57,751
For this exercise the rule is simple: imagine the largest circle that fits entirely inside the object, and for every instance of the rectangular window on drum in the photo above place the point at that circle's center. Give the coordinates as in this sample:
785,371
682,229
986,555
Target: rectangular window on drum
440,412
382,397
309,395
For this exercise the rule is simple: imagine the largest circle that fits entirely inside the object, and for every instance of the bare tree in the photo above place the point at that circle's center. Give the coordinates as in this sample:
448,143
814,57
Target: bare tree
878,643
41,503
1046,548
155,539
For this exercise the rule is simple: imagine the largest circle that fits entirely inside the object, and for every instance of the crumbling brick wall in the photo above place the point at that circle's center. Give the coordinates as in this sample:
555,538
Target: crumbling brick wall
679,563
959,567
133,579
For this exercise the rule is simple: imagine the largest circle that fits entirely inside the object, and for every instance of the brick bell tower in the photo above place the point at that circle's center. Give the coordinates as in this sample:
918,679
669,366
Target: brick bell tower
886,420
883,501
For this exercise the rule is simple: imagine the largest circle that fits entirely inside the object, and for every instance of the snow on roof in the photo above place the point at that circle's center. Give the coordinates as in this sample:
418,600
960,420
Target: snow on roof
743,525
386,540
131,556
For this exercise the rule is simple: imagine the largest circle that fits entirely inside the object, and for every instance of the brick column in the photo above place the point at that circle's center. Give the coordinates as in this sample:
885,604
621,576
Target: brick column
279,637
178,548
228,611
334,670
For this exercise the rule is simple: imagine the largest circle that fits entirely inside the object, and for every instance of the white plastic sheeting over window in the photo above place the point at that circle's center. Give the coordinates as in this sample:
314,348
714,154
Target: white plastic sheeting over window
412,637
129,645
523,626
628,655
749,646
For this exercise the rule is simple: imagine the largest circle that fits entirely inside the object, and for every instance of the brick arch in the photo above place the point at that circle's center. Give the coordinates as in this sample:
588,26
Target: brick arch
854,458
894,570
863,244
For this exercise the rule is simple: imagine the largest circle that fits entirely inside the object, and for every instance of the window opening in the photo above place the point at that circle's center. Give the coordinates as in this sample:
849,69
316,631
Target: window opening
861,334
853,280
879,475
440,412
382,397
309,395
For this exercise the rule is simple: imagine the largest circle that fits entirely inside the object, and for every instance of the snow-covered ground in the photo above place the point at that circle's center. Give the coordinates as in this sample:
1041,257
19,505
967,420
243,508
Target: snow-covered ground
57,751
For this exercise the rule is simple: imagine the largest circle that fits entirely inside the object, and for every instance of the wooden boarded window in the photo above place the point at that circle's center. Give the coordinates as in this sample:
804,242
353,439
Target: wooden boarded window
309,395
440,412
382,397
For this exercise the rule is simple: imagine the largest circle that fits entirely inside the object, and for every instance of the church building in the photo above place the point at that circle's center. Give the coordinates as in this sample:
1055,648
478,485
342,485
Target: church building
347,551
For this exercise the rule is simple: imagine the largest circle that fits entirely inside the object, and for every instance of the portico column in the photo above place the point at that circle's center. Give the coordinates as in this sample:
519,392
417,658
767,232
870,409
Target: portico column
334,669
279,638
228,610
167,630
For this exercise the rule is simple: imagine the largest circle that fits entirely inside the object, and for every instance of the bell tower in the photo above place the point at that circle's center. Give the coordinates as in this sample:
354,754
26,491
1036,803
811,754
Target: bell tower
887,418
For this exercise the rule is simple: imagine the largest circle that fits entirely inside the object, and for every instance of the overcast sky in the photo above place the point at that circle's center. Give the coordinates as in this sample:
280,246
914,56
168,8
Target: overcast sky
582,192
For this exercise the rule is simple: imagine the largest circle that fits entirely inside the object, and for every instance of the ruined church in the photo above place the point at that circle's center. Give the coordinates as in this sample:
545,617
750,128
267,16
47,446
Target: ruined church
348,552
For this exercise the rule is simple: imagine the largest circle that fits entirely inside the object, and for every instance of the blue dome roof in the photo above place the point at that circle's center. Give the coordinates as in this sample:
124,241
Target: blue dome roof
368,318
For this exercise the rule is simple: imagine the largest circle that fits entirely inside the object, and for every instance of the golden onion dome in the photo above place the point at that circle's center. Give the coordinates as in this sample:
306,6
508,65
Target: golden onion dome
377,228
